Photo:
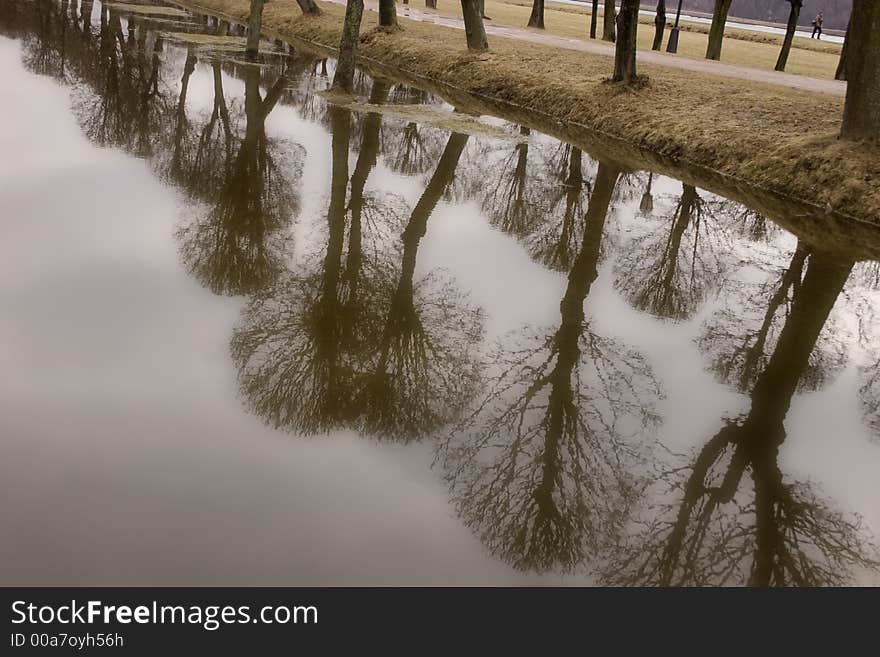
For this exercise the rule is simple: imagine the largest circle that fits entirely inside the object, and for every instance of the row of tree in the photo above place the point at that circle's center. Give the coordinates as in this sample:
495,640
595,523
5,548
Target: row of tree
545,465
860,59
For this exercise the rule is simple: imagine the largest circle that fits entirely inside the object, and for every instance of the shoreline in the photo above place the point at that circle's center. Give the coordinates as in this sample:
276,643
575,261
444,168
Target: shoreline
816,172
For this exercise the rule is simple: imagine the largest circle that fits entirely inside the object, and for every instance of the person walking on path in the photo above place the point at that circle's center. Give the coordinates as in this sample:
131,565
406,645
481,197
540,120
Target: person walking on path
817,26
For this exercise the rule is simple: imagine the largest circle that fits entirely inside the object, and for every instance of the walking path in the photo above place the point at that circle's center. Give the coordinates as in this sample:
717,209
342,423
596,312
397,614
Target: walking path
596,47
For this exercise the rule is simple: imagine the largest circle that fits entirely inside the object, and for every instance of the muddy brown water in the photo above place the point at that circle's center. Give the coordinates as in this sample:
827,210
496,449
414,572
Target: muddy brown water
252,337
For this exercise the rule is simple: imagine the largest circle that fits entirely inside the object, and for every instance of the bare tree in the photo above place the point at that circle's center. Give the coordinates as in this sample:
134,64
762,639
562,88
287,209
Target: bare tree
309,7
716,30
507,199
255,26
343,78
301,343
555,240
475,32
625,48
706,527
237,244
388,14
539,468
659,24
861,114
668,273
741,337
536,18
594,18
790,29
840,73
425,368
609,18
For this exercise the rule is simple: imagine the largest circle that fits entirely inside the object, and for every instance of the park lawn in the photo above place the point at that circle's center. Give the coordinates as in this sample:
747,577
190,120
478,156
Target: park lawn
745,49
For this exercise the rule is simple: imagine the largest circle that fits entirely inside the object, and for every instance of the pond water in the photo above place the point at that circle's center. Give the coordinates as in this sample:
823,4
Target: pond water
249,336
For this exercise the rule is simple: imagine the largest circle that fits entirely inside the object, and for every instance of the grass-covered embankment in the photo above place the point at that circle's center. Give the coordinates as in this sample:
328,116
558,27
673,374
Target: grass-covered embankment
766,136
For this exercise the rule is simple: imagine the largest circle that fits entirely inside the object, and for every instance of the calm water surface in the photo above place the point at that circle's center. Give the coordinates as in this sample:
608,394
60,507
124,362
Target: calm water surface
251,337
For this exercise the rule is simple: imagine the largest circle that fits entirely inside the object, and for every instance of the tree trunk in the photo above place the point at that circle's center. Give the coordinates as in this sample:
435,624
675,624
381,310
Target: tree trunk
537,17
659,25
255,23
625,50
309,7
594,18
351,27
473,25
861,115
387,13
608,32
789,33
841,65
716,32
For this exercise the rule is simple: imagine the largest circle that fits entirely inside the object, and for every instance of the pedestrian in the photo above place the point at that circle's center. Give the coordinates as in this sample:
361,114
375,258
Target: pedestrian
817,26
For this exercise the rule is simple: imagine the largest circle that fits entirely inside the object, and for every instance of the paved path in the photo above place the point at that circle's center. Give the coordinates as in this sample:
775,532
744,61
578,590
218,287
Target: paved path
596,47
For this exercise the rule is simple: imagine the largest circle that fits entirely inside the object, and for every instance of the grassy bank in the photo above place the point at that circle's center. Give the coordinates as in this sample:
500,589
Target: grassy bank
742,47
770,138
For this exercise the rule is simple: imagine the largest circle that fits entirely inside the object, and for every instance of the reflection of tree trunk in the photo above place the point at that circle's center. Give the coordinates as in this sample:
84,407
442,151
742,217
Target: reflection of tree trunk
790,280
585,267
86,15
475,33
763,431
716,31
625,50
344,77
536,19
519,173
574,184
401,315
188,69
822,284
673,244
789,33
367,156
327,310
561,402
861,114
694,490
608,20
659,25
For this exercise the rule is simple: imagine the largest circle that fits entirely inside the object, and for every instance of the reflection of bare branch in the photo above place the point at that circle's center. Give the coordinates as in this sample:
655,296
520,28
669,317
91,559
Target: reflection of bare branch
869,393
722,531
554,241
425,369
507,200
539,470
740,338
668,273
706,527
236,247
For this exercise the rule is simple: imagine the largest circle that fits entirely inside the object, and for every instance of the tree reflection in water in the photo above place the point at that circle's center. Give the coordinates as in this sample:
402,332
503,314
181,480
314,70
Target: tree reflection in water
539,469
357,341
667,273
741,336
707,526
235,244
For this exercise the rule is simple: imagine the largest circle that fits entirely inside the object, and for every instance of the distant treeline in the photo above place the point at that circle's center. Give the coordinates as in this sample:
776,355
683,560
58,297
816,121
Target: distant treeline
836,11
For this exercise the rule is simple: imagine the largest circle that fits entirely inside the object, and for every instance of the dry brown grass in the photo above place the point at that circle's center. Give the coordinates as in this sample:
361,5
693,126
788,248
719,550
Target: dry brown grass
741,47
774,138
